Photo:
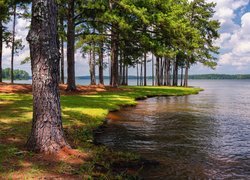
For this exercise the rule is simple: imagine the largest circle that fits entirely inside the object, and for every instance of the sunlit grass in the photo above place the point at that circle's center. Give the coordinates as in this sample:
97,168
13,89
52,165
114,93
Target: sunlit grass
81,115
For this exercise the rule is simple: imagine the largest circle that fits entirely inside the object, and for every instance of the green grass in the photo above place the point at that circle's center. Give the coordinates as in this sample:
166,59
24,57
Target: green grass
81,115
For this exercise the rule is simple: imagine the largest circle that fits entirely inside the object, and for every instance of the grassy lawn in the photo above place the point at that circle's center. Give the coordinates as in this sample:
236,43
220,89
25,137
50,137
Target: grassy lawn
81,115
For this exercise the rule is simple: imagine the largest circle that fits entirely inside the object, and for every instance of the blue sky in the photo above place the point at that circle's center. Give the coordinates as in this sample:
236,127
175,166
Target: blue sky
234,43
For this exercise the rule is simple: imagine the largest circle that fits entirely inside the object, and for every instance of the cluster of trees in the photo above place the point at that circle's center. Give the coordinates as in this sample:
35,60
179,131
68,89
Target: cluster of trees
17,74
178,33
172,35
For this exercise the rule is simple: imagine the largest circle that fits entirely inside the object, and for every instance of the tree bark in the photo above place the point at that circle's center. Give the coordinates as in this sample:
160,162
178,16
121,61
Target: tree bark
1,49
47,134
13,46
71,47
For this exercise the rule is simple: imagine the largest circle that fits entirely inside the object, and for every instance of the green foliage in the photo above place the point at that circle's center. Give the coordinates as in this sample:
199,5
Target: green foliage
18,74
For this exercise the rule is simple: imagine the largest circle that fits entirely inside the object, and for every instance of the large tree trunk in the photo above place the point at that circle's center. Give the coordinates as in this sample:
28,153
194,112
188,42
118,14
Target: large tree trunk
62,53
101,55
13,46
1,49
71,46
47,132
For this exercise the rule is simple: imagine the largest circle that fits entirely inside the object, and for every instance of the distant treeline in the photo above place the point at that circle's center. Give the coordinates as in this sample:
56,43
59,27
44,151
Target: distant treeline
220,76
199,76
18,74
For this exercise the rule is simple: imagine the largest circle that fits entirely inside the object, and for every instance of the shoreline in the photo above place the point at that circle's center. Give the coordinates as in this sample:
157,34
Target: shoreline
83,112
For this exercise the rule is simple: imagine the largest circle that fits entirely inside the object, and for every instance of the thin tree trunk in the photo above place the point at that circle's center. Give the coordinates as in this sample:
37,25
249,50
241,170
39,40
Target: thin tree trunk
157,75
186,74
62,53
101,52
175,72
141,72
114,58
126,74
120,71
181,76
114,51
71,46
47,132
137,75
145,69
165,72
168,64
92,64
13,46
162,71
110,71
1,50
153,78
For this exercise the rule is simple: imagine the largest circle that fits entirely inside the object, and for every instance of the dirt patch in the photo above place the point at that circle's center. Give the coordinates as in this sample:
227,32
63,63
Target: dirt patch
27,88
15,88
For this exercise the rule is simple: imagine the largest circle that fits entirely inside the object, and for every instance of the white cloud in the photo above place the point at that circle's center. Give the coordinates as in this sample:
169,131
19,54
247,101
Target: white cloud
238,54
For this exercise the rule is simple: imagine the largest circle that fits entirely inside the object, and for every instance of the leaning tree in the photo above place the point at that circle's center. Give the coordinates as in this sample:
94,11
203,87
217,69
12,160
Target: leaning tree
47,132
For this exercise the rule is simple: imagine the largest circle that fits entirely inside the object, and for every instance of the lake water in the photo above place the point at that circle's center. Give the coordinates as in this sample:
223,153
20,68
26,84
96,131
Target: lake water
205,136
80,81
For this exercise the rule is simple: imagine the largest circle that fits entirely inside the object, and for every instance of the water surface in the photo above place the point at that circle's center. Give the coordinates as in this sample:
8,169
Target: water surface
196,136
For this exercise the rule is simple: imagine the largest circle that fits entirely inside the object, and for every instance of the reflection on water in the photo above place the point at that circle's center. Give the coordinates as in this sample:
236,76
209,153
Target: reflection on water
197,136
